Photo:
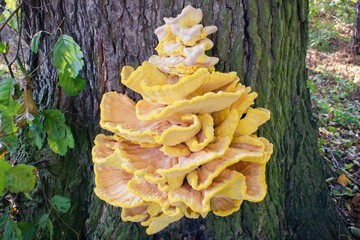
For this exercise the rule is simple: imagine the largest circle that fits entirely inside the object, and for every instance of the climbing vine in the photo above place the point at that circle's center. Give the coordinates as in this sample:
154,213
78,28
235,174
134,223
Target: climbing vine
21,117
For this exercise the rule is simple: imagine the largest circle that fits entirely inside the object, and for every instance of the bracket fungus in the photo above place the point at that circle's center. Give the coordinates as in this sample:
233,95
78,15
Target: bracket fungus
189,146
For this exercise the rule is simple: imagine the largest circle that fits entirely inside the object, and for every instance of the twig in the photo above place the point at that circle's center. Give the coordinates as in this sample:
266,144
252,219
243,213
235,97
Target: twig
58,28
46,57
45,197
13,203
6,135
47,202
8,66
67,225
11,15
21,66
37,163
333,159
338,168
18,45
4,195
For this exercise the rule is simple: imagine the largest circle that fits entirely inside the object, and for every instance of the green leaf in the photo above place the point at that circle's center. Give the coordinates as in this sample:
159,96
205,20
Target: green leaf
36,130
54,124
348,166
8,109
43,221
58,146
3,220
13,22
35,42
68,56
28,196
58,131
10,4
12,108
7,124
68,60
11,141
20,178
7,114
6,90
12,231
332,129
54,115
38,141
311,86
69,138
4,165
46,222
60,203
3,47
50,228
59,135
27,229
72,86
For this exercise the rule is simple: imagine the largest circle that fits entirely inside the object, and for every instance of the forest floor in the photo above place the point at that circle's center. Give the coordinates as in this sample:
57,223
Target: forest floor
334,82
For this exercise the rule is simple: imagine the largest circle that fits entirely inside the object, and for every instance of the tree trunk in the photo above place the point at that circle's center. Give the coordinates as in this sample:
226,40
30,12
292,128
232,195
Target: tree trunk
357,30
265,41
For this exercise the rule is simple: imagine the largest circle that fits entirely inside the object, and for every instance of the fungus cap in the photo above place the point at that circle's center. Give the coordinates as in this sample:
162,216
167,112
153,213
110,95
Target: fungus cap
189,147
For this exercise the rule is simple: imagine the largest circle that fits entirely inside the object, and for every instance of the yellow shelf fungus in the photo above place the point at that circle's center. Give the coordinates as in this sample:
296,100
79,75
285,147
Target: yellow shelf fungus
189,147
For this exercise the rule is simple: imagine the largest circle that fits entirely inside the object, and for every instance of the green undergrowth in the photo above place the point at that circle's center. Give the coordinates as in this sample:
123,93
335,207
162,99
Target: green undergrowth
330,23
337,102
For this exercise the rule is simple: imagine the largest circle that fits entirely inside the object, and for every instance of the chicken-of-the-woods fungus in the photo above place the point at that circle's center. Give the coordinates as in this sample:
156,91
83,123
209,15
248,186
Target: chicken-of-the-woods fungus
189,146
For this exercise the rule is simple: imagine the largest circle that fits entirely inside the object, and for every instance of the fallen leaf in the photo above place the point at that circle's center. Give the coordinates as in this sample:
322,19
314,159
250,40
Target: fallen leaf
343,180
356,199
353,214
348,205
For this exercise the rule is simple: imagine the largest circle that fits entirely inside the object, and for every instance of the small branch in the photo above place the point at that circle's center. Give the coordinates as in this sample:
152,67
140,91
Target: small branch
35,164
11,15
58,27
45,197
7,135
4,195
22,49
13,203
67,225
47,202
46,57
339,168
18,45
21,66
8,65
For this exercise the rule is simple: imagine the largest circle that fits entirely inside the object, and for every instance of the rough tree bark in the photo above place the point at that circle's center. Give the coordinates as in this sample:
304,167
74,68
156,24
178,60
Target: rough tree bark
357,30
265,41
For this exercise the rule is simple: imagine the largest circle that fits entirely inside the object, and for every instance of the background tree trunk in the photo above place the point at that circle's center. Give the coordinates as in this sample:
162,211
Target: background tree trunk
265,41
357,30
